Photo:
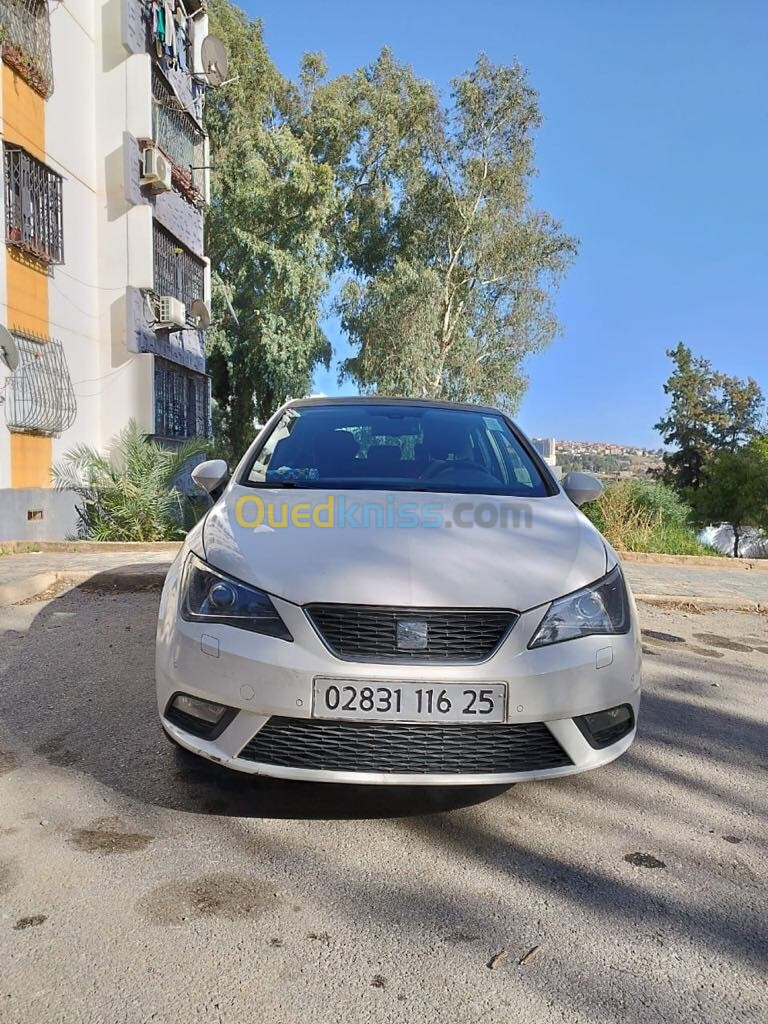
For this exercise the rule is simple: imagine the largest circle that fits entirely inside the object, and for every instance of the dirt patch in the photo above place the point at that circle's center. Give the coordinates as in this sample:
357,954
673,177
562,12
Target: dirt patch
458,937
666,638
57,752
8,761
644,860
8,876
226,896
713,640
95,840
706,652
29,922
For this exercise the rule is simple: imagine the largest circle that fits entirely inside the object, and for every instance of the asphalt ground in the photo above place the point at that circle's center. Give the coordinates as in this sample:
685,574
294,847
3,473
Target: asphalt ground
138,885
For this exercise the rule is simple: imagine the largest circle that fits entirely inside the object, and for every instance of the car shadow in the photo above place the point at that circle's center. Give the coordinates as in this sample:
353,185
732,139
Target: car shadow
78,691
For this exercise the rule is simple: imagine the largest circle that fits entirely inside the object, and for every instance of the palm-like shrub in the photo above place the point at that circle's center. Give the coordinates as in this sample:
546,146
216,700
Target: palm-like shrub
130,493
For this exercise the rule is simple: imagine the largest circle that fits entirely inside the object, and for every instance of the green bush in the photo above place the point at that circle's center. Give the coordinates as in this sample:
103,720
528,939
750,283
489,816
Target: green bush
643,515
129,494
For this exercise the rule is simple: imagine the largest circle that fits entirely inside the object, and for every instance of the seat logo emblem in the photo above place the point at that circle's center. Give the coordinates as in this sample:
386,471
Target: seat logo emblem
412,635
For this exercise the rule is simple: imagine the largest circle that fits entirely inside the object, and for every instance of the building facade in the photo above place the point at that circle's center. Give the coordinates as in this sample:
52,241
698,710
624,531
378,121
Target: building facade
103,279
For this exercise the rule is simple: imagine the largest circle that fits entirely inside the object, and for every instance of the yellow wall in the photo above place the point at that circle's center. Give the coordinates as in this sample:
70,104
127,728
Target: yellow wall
30,461
26,280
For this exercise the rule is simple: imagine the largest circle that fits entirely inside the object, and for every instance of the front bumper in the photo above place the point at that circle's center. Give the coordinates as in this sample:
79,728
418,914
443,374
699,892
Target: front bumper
263,677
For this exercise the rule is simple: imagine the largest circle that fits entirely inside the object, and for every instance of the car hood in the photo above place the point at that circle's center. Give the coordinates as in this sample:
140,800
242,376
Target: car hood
552,550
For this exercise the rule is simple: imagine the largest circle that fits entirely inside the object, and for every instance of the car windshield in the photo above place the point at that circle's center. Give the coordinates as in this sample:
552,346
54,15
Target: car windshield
396,447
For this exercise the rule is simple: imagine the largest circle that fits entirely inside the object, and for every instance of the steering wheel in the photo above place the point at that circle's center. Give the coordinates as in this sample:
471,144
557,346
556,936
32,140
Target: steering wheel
440,466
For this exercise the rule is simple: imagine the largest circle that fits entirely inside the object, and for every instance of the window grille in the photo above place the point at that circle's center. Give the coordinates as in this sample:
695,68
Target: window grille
177,271
178,136
33,206
39,396
182,402
25,39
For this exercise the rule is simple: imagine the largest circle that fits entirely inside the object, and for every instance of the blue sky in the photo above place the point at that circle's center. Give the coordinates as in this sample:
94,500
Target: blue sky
654,152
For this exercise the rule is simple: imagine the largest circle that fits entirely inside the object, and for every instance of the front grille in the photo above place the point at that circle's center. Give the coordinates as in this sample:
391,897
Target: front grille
369,632
405,749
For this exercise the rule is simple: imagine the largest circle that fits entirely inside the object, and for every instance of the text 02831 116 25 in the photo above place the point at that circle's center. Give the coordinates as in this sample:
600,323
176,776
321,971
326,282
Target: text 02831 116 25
395,701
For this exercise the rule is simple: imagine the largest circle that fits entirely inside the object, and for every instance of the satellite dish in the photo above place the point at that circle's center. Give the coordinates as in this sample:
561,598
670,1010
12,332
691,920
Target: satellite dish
9,350
215,60
202,314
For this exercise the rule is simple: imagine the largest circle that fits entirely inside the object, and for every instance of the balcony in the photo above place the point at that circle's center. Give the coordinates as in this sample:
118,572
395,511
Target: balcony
25,40
176,133
39,395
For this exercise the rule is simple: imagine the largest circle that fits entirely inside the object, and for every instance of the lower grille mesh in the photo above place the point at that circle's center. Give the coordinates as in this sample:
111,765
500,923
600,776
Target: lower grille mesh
405,749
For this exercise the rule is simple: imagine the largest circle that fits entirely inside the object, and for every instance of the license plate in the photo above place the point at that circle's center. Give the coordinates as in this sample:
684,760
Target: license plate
409,702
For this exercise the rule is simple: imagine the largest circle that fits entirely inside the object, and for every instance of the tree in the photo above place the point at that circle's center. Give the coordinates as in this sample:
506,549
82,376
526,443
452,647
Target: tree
451,266
708,412
268,238
734,490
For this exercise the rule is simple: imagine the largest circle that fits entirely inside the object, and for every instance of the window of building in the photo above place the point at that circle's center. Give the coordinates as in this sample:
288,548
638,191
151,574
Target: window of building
33,206
182,402
177,271
25,39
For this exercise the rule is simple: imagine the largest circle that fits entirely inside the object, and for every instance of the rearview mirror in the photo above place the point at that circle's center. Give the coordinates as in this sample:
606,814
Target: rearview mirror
210,476
582,487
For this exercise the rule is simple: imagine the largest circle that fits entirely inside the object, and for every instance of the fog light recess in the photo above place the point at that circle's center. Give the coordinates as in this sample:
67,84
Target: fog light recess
602,728
203,718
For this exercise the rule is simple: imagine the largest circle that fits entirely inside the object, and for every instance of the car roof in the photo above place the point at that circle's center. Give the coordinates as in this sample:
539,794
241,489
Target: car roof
428,403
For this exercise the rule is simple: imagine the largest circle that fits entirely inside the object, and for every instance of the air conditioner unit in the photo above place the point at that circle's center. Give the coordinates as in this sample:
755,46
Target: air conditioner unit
155,170
170,312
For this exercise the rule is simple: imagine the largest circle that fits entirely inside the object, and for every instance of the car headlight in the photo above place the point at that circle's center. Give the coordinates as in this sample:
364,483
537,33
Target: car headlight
208,595
600,608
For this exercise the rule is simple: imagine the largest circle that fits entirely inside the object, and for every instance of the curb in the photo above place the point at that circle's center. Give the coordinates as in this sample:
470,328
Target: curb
111,580
695,561
29,586
85,547
702,604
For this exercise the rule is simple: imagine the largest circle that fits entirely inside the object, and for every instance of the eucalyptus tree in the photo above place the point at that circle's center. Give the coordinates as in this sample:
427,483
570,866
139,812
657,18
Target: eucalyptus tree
452,267
267,233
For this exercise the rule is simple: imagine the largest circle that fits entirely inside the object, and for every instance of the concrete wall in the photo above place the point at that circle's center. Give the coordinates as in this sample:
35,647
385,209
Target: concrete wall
20,510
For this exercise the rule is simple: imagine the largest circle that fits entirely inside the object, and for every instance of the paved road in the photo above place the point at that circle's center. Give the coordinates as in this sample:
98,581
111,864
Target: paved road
644,579
137,887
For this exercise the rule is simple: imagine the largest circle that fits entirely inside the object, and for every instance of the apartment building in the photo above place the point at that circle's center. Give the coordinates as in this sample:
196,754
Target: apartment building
103,279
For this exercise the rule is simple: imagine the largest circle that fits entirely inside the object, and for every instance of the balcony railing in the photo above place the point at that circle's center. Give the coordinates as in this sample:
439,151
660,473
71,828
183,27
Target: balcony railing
25,40
178,136
177,271
39,396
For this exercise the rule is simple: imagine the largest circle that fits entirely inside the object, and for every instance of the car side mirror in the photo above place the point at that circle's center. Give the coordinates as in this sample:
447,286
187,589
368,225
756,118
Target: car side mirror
582,487
211,476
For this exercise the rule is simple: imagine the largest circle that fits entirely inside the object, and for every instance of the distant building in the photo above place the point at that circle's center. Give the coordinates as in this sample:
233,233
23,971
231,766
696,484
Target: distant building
547,449
105,181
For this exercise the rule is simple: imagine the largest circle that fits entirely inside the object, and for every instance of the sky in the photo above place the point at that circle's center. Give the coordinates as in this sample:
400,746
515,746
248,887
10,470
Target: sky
653,152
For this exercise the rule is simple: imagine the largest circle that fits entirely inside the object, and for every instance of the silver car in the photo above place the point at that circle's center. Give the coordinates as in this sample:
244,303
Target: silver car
393,591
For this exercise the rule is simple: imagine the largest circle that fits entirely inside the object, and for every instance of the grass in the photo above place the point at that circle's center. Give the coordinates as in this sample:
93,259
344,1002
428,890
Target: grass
642,515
